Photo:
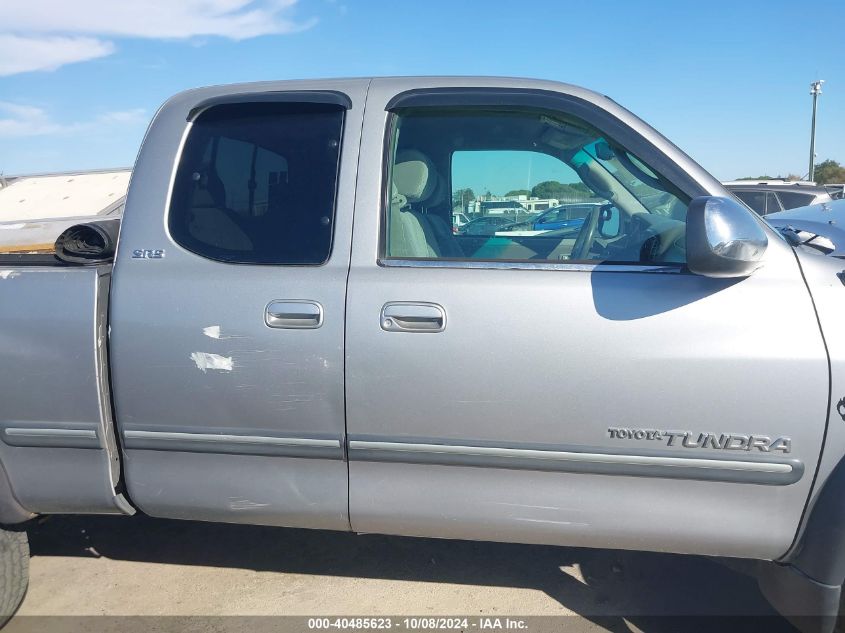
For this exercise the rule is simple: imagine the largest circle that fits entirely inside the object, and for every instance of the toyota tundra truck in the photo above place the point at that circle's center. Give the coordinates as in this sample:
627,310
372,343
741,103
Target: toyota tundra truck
287,331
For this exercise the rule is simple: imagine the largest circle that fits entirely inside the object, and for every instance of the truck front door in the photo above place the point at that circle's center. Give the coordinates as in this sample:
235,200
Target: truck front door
573,386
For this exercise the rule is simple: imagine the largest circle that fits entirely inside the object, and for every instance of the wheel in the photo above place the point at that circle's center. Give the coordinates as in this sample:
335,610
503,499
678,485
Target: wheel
14,571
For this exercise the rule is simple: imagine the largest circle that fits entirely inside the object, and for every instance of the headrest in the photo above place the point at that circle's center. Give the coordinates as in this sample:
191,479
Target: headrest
208,180
439,195
414,176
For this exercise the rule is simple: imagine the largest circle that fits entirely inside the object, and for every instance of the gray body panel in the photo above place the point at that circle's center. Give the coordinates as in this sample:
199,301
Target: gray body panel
828,291
551,358
274,385
58,445
826,220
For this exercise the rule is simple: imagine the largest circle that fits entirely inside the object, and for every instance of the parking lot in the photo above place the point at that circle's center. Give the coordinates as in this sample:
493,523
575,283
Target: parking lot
96,566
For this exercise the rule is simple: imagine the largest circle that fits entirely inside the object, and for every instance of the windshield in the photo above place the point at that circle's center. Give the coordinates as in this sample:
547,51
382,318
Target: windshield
651,191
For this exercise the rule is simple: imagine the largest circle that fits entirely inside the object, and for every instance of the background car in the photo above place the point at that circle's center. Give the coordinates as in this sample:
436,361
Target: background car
458,220
502,207
565,216
820,226
772,196
486,225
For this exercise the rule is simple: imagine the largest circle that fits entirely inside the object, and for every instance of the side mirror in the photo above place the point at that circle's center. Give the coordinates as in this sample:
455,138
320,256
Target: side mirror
724,239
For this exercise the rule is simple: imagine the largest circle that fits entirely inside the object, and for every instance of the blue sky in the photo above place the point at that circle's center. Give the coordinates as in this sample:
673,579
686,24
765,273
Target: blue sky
726,81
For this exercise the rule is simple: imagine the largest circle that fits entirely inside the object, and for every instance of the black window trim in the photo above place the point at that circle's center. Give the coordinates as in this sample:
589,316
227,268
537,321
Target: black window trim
533,100
553,102
331,97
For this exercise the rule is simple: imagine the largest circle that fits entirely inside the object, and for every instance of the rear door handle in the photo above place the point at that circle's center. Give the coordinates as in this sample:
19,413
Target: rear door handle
294,315
408,316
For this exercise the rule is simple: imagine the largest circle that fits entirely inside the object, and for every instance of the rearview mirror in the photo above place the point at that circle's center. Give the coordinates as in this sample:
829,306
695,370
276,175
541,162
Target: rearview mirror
609,224
724,239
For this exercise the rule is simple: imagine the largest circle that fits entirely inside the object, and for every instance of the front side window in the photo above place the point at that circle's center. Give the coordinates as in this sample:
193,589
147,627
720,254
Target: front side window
256,183
534,187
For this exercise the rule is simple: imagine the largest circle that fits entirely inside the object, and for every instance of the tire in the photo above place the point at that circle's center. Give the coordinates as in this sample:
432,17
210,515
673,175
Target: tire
14,571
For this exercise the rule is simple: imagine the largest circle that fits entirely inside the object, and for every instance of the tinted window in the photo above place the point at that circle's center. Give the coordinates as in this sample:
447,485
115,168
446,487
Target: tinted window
772,204
256,183
625,211
756,200
793,199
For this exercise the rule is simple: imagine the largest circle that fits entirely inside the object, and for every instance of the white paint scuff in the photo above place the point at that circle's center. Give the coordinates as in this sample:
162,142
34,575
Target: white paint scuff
212,331
206,361
9,274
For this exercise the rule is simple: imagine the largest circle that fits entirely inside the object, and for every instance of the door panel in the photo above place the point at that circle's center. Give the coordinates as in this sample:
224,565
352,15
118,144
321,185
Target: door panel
229,376
550,361
553,405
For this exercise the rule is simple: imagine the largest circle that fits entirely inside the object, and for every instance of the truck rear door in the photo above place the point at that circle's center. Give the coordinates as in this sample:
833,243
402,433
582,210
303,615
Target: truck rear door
228,308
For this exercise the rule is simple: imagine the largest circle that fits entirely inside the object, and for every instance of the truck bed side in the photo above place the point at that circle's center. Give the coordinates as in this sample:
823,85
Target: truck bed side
57,443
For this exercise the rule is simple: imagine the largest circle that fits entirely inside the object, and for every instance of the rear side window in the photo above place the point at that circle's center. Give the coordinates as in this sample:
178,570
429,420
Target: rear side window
756,200
772,204
256,183
793,200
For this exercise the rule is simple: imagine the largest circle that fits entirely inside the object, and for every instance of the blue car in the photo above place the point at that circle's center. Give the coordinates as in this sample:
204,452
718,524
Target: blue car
567,216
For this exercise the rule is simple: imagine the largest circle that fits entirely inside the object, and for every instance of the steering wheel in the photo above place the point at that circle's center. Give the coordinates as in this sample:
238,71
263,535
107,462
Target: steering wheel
587,234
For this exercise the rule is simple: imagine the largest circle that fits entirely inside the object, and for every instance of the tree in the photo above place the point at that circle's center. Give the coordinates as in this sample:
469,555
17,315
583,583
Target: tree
824,172
462,197
829,171
517,192
561,191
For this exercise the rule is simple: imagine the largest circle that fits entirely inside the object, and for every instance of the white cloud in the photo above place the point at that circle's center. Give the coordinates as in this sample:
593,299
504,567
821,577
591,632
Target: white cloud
19,121
20,54
46,34
23,120
235,19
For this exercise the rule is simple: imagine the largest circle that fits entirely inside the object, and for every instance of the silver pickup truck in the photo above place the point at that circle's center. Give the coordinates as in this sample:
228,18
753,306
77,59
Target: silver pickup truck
291,333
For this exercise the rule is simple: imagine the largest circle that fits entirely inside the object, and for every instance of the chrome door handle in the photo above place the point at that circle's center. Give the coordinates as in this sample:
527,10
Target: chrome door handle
408,316
294,315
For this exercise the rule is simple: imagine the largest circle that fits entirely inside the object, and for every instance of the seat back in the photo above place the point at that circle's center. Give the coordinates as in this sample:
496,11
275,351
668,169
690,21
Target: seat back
211,224
412,232
408,237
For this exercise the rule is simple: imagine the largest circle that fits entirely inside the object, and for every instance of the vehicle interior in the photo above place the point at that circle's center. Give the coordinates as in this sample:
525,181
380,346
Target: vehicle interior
642,219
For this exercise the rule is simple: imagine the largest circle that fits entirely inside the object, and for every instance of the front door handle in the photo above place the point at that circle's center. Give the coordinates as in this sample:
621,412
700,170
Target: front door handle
408,316
294,315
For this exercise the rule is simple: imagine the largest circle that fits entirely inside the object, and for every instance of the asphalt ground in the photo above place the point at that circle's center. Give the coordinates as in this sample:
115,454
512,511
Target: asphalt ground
139,573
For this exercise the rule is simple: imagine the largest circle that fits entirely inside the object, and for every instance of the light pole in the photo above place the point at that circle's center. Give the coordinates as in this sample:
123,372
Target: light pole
815,90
